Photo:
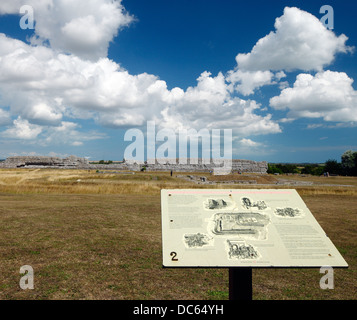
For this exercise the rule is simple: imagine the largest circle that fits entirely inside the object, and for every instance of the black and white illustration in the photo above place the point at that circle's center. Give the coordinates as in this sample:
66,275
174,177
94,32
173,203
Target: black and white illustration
218,204
248,203
242,228
288,212
197,240
241,251
243,224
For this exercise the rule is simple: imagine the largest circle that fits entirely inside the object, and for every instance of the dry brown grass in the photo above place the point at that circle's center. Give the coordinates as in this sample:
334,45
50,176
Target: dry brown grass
78,182
47,181
260,179
100,238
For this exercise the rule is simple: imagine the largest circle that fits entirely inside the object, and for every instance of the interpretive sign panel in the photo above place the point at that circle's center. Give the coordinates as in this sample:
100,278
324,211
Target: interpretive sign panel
242,227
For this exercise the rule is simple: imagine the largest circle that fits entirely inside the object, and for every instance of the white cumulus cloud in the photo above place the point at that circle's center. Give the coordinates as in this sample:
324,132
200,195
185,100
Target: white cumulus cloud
64,73
249,143
82,27
248,81
328,95
44,86
300,41
22,130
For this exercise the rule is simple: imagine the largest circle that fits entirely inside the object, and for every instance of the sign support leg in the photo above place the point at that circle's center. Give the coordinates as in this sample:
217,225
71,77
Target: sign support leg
240,283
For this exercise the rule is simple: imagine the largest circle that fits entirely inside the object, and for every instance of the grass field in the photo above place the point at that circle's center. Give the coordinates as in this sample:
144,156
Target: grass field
91,235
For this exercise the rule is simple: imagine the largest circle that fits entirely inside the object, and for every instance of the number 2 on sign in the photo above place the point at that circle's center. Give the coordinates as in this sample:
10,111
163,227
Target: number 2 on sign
173,255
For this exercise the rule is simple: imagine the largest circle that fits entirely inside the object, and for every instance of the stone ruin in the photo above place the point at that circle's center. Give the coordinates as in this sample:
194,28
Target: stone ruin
44,162
73,162
242,166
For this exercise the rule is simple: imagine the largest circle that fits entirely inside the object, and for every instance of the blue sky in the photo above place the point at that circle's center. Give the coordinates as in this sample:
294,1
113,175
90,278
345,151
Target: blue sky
89,71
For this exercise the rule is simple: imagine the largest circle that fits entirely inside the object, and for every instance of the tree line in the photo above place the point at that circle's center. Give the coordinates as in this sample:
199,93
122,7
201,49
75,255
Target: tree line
347,166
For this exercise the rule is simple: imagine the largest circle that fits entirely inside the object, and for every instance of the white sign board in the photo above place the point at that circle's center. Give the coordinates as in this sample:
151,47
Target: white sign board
250,228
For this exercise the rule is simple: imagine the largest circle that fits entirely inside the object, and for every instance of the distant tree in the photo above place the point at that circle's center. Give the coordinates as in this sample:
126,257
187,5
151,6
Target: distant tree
318,170
308,169
287,168
105,162
347,159
348,162
283,168
273,169
313,169
332,167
